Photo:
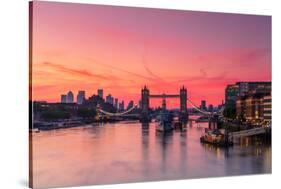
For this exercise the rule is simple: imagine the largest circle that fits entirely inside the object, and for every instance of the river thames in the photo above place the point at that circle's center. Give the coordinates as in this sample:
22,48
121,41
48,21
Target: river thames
130,152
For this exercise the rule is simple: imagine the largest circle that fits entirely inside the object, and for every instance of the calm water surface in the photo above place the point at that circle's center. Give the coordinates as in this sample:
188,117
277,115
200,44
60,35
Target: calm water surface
129,152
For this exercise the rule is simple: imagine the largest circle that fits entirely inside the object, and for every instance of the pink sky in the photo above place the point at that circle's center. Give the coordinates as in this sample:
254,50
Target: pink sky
120,49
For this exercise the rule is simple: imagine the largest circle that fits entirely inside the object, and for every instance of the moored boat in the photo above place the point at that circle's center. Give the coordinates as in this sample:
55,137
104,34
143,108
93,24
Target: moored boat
164,123
215,137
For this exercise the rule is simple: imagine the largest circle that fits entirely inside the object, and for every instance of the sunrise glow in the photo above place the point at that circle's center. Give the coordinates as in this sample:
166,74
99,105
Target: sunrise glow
121,49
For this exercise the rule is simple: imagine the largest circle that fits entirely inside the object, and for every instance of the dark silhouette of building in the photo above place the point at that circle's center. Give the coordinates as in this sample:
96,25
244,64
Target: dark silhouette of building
130,104
203,105
100,93
116,103
69,97
231,93
210,108
248,88
121,106
63,98
109,99
93,101
80,97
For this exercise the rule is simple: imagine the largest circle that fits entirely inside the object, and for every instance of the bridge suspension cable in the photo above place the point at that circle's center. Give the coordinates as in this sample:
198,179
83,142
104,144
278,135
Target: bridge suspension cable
133,107
220,111
205,112
117,113
198,109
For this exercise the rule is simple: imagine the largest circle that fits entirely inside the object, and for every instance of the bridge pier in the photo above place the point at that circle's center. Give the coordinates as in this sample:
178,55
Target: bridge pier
213,122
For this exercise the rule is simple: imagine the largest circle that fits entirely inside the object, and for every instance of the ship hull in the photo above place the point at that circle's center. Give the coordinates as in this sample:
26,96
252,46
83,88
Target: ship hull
216,143
164,127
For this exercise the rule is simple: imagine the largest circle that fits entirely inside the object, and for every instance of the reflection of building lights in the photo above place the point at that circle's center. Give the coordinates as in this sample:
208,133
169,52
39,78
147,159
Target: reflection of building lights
256,114
218,153
258,151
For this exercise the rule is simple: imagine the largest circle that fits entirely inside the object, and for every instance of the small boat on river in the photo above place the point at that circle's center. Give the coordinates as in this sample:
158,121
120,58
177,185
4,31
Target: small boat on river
215,137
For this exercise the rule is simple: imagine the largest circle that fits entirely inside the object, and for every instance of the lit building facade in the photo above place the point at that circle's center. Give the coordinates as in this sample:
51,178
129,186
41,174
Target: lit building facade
241,107
241,89
267,105
244,100
254,108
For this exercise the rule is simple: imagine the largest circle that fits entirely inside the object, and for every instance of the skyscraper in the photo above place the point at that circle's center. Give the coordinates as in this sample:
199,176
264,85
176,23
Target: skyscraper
210,108
121,106
63,98
100,93
139,103
80,97
69,97
116,103
130,104
203,105
109,99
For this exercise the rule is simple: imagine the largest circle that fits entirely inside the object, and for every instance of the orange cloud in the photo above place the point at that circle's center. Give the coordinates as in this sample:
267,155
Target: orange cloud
71,71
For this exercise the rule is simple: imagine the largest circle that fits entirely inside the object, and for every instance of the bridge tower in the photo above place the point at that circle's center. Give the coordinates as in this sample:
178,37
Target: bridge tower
213,122
144,103
164,103
183,105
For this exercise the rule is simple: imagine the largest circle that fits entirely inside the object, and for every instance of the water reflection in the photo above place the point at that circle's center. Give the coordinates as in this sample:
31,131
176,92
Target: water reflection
133,151
220,152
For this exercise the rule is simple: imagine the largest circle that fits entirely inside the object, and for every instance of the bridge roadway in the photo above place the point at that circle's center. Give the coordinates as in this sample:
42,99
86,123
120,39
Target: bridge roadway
125,115
164,96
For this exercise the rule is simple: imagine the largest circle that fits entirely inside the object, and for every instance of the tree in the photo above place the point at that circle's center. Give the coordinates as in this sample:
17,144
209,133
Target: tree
55,114
230,112
86,113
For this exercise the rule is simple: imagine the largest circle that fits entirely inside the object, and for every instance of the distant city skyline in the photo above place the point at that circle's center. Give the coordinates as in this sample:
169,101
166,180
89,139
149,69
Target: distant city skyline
81,96
164,50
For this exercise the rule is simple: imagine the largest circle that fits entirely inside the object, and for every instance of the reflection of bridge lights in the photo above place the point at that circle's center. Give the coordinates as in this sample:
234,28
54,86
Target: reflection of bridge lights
258,152
218,153
247,142
118,113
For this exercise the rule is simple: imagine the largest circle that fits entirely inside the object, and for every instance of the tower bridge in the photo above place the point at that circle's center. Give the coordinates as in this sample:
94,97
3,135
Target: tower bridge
145,97
145,102
213,117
